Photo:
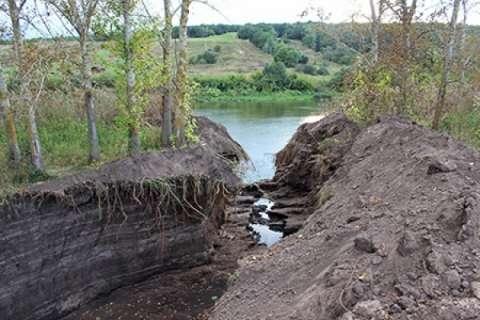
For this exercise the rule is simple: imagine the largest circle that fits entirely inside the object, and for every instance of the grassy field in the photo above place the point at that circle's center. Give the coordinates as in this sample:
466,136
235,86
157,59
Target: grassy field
241,57
236,55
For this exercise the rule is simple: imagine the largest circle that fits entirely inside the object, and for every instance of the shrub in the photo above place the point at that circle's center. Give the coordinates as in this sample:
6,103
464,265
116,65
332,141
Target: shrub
208,57
307,69
303,59
273,78
323,71
289,56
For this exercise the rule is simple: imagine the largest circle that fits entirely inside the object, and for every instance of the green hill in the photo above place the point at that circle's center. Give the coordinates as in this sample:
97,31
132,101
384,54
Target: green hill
236,55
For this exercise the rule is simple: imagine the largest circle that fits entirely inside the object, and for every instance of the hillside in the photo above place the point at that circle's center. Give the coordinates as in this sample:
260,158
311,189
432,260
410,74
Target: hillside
236,55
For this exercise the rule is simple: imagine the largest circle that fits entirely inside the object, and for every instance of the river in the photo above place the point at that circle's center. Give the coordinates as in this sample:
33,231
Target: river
262,129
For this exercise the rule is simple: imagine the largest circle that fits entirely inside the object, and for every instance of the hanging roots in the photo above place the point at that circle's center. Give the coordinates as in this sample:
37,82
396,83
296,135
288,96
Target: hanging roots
186,198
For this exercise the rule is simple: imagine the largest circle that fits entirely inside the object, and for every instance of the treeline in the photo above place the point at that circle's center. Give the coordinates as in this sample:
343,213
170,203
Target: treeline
273,78
207,30
274,39
427,71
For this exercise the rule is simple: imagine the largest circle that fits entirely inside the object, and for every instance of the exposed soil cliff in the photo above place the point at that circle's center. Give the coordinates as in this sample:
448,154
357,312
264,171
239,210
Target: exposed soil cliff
65,242
393,229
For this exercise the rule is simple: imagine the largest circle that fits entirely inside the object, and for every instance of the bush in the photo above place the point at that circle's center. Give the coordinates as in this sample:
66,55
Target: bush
274,77
246,32
338,79
303,59
289,56
307,69
340,55
208,57
323,71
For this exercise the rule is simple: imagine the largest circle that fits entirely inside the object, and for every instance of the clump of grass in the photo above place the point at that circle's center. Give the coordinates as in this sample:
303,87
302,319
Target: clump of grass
464,126
63,134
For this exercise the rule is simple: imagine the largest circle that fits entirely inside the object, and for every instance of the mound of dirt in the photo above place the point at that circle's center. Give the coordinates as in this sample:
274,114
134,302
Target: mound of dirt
217,137
198,160
394,233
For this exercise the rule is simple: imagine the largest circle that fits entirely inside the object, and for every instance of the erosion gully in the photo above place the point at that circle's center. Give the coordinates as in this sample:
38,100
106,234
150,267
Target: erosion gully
255,222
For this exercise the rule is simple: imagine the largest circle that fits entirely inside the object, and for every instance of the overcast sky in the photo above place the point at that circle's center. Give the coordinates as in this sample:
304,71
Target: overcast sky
244,11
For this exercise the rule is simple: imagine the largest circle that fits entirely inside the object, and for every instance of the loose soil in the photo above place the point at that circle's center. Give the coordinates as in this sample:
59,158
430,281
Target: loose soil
390,229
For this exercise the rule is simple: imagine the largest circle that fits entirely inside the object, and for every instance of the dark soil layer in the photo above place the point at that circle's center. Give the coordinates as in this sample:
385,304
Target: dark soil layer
184,294
65,242
392,229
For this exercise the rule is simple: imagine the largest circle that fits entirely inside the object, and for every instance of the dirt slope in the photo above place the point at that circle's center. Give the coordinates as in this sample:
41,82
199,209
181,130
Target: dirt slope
394,234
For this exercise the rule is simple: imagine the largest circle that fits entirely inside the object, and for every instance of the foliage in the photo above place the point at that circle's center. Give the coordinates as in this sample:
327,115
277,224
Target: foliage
147,68
289,56
210,56
273,78
340,55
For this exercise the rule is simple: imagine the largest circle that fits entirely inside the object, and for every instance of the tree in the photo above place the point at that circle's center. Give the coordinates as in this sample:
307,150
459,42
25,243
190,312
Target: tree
16,9
405,11
167,130
288,55
79,14
376,18
7,115
182,112
133,126
275,77
447,64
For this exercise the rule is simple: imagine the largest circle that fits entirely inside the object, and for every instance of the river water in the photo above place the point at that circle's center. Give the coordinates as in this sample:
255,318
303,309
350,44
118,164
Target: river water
262,129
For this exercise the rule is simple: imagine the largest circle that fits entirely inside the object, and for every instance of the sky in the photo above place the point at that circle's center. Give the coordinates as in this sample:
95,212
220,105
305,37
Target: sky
244,11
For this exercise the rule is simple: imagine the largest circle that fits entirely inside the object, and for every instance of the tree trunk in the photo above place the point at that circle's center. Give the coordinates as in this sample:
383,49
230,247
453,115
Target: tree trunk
167,131
35,146
89,100
9,123
463,40
181,114
375,31
133,129
447,62
14,12
407,15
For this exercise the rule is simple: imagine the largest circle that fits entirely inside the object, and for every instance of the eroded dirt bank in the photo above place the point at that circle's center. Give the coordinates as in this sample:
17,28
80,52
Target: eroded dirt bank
391,232
69,241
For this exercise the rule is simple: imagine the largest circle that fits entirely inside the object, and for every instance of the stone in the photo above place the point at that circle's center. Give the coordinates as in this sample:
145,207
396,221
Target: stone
476,289
407,245
369,309
441,166
453,279
363,243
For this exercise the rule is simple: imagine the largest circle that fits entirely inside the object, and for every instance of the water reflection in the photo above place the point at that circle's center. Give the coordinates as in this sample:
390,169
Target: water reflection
262,129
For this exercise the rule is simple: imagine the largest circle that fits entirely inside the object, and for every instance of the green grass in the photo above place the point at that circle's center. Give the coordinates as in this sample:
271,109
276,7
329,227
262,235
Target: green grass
236,56
287,96
464,126
64,138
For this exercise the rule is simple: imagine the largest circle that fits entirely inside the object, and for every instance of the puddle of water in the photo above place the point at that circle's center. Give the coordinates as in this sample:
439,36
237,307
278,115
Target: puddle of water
264,202
260,229
264,235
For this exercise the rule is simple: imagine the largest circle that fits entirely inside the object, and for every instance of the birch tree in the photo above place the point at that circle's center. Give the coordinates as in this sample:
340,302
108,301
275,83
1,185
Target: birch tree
79,14
377,10
16,10
133,127
8,119
181,113
447,64
167,130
